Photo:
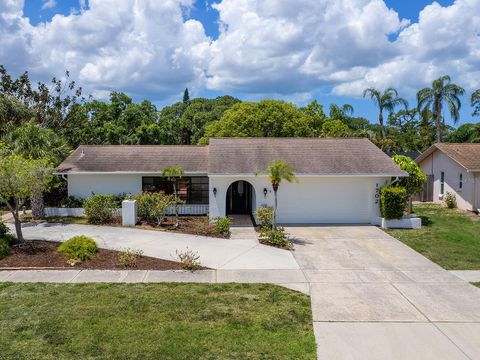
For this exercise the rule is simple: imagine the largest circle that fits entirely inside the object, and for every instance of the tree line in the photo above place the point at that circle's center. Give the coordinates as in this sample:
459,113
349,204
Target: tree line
49,120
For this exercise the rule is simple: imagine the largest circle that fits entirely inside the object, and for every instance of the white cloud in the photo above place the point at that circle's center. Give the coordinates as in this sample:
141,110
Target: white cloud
287,48
48,4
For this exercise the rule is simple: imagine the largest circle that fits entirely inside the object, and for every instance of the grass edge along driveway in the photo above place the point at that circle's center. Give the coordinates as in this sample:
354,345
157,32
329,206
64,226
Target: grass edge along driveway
153,321
448,237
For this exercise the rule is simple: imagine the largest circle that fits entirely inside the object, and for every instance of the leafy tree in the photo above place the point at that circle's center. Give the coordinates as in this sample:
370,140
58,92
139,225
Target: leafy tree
278,171
413,184
19,178
267,118
467,133
340,113
433,98
173,174
335,129
387,100
411,130
475,100
315,111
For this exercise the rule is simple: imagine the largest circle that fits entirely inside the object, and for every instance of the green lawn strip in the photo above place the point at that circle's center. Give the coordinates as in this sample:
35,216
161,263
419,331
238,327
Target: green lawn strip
447,237
154,321
477,284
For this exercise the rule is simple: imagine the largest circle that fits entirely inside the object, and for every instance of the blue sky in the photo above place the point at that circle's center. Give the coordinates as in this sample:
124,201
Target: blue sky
272,64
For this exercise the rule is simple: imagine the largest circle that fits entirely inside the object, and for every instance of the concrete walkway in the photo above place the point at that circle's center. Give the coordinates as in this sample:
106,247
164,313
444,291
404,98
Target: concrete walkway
245,253
467,275
375,298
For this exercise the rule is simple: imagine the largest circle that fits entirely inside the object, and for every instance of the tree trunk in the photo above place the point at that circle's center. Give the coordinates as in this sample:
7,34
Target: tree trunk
410,204
176,204
38,205
438,115
275,189
18,226
380,120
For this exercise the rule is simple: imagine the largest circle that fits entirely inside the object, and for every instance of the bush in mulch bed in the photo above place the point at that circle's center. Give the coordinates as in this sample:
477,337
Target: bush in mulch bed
45,254
195,225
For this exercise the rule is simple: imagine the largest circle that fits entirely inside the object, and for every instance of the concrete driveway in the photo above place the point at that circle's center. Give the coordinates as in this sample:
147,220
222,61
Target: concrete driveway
375,298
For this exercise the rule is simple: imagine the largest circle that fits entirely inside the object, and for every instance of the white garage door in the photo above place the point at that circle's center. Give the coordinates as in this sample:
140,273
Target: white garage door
325,200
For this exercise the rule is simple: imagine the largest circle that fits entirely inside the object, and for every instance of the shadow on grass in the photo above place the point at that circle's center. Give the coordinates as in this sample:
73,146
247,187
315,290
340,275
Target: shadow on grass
425,220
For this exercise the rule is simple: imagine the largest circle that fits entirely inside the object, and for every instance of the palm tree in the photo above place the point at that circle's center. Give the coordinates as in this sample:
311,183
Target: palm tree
476,102
277,171
387,100
442,92
340,113
173,173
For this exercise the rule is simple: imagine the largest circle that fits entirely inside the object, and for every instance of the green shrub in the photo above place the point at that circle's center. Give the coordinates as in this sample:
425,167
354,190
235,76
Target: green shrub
264,216
4,248
11,239
275,237
450,200
129,257
153,206
71,202
222,225
100,209
393,201
3,229
79,248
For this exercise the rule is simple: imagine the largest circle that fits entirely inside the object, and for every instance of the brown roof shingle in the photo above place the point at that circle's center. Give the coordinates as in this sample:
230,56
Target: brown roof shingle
467,155
306,155
135,158
238,156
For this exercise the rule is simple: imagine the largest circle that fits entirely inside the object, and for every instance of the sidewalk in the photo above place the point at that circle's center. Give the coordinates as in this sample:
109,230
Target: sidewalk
292,279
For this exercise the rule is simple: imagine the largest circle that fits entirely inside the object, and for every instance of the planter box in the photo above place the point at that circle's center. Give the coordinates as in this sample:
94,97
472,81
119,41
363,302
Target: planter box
403,223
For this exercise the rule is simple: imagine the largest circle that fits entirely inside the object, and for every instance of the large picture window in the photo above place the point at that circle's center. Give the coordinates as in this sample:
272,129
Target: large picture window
192,190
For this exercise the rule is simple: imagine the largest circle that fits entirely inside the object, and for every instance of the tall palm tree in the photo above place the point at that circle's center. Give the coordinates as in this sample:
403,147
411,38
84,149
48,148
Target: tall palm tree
387,100
173,174
340,113
278,171
442,92
476,102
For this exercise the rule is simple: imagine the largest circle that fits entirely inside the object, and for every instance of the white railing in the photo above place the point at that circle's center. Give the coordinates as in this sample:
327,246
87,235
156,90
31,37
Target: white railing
184,209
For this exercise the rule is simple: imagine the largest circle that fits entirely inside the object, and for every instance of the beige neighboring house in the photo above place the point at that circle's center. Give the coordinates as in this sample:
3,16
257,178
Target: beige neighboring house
453,168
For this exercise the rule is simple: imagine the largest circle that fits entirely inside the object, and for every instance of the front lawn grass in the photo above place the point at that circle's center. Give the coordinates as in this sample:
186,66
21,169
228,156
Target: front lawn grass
154,321
447,237
477,284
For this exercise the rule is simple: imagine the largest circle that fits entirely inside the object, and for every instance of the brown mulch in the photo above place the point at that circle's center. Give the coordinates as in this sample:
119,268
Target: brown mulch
44,254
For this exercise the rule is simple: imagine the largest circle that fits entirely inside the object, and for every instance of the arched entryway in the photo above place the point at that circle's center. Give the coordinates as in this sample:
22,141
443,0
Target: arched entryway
240,197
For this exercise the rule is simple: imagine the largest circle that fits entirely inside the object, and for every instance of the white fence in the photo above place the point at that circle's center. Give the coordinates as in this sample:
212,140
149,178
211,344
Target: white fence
184,209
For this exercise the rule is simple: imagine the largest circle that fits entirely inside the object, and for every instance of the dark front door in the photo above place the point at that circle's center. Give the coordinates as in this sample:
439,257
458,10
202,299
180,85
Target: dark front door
239,197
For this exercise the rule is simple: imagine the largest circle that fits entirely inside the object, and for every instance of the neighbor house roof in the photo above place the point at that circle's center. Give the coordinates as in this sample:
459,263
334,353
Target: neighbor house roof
135,158
467,155
316,156
228,156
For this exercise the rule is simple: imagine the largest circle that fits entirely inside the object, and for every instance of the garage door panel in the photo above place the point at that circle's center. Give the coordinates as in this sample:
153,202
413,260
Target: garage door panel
318,201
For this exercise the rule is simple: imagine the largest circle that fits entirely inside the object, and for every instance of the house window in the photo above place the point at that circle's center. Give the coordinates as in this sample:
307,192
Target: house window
192,190
460,182
442,183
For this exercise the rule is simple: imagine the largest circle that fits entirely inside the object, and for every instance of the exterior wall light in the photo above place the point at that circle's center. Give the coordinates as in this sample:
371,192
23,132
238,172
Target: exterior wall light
215,192
265,192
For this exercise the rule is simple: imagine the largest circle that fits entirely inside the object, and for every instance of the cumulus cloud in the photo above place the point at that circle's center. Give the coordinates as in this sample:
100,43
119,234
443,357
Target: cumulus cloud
286,49
48,4
145,47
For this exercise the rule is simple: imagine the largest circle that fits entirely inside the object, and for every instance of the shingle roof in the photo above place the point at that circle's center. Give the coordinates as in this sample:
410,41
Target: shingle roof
238,156
467,155
135,158
306,155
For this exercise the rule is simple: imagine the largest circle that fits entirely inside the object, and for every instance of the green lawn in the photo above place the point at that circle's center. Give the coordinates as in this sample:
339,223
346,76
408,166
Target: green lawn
477,284
154,321
447,237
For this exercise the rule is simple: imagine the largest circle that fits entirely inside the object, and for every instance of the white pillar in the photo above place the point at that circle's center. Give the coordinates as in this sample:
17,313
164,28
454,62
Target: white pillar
129,212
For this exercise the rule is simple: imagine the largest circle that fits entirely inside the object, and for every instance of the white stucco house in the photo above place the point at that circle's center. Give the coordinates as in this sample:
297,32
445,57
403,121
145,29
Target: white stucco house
338,179
453,168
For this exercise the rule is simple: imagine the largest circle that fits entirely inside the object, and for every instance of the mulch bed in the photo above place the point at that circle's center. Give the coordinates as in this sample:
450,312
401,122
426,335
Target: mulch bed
44,254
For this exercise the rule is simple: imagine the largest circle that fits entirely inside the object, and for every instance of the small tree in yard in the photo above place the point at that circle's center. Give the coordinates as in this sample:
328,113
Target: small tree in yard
278,171
173,174
413,184
20,177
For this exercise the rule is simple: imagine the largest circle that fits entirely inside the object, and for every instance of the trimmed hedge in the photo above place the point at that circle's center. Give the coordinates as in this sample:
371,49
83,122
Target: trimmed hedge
393,201
78,248
100,209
